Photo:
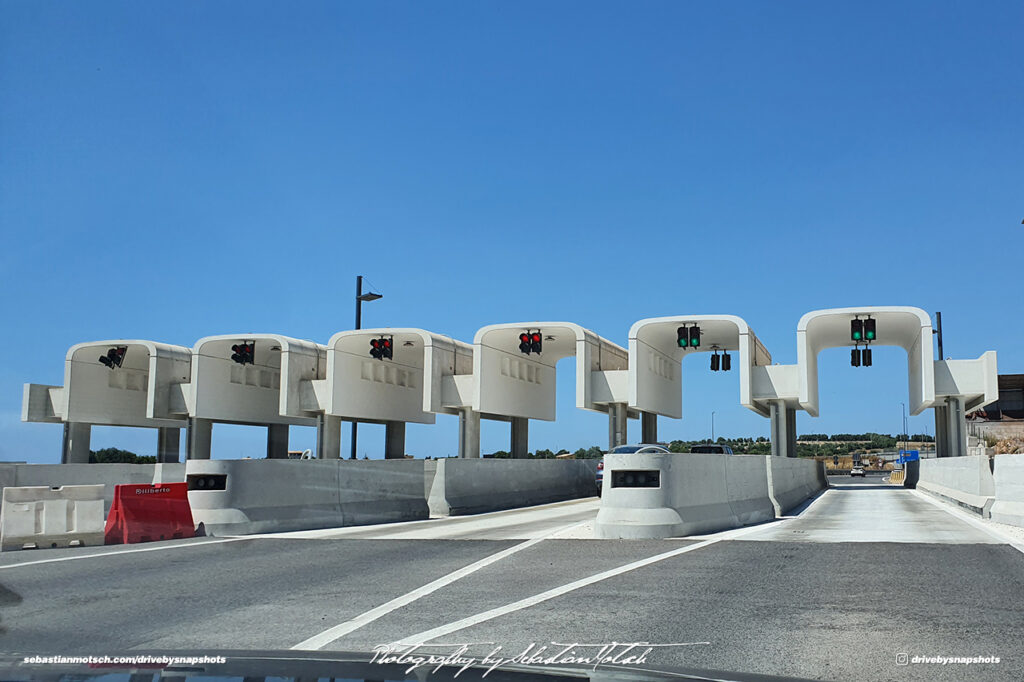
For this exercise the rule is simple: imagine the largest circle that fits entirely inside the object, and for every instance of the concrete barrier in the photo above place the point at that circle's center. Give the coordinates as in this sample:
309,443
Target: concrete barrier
966,481
108,475
696,493
792,480
1008,477
241,497
42,516
471,486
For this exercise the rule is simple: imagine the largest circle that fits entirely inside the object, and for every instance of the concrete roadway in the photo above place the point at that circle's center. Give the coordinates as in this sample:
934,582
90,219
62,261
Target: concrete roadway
835,591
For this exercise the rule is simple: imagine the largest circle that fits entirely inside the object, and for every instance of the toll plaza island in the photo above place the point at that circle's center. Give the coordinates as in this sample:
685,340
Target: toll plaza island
396,376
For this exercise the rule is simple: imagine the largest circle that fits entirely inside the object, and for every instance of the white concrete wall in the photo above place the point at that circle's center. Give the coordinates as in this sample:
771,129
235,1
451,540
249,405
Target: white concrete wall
19,475
966,481
1009,490
698,494
470,486
793,480
280,495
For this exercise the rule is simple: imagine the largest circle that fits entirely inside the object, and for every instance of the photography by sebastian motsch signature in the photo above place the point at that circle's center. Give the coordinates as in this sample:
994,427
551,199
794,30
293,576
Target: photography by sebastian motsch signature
554,653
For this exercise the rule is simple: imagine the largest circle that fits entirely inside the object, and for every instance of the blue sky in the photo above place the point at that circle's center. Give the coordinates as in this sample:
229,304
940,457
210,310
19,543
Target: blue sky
171,171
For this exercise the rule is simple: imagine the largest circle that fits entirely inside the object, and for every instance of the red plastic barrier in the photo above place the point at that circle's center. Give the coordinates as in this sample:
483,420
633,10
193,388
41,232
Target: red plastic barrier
144,513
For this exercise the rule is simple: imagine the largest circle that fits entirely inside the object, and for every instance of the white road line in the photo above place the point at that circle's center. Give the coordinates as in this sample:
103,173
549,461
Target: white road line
973,520
327,636
434,633
126,551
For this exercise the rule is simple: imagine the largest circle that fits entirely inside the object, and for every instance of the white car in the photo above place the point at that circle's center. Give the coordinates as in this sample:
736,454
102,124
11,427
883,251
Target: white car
857,471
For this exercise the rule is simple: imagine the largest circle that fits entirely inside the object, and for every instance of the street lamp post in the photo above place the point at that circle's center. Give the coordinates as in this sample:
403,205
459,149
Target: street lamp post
712,426
903,409
360,297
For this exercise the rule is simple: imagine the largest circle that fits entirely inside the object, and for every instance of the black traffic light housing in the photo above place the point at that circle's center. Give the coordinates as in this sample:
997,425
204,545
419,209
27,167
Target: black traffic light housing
694,336
714,361
855,357
382,348
866,357
869,329
857,330
726,362
244,353
114,357
682,337
531,342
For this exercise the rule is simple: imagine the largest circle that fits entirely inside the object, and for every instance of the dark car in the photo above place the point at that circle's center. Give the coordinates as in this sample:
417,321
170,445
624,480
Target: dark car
711,449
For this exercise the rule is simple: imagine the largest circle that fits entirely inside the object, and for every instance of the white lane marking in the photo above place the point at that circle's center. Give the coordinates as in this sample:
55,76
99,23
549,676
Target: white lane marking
446,524
327,636
996,533
440,631
125,551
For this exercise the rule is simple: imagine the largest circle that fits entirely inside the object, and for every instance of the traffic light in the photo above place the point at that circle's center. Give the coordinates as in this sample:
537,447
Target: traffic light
244,353
855,357
694,336
869,329
714,361
866,357
382,348
535,342
114,357
726,362
682,337
857,330
524,343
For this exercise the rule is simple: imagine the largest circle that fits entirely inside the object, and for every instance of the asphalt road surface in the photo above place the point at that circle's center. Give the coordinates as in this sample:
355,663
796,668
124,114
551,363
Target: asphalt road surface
838,590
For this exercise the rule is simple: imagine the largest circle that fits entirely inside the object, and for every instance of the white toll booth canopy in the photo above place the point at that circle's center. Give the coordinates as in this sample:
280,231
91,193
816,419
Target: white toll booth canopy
655,359
135,388
512,384
392,376
264,389
407,387
906,327
262,392
516,384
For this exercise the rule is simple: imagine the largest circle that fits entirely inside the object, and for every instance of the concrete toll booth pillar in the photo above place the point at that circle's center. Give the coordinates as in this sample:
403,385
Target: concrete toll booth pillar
649,427
76,443
520,445
394,440
168,444
616,425
277,441
950,428
783,429
199,437
469,433
329,437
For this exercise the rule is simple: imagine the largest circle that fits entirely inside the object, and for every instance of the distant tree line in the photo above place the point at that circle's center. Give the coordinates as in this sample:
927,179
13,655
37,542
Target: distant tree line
808,445
118,456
